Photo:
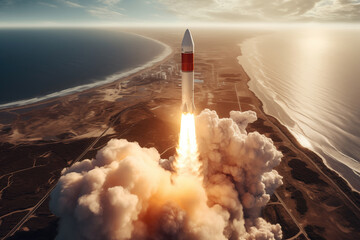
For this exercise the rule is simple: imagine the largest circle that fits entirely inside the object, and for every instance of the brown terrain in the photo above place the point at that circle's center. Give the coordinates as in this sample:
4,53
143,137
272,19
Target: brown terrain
38,141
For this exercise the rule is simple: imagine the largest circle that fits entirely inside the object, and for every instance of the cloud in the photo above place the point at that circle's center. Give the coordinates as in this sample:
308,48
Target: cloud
104,9
341,10
264,10
125,193
104,12
73,4
48,4
109,2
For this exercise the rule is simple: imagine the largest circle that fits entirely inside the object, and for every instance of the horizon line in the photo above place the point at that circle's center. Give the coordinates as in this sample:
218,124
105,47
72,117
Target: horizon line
184,24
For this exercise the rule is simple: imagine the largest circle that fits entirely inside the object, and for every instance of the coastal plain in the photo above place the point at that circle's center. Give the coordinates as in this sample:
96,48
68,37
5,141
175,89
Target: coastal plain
37,141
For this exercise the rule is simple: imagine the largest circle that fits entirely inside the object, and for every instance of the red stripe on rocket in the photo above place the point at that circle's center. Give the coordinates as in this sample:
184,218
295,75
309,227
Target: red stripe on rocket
187,62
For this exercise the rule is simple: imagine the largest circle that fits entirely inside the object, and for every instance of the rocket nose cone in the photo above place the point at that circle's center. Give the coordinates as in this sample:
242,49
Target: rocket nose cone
187,44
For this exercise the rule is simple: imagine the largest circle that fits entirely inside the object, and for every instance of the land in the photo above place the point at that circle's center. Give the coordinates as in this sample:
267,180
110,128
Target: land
39,140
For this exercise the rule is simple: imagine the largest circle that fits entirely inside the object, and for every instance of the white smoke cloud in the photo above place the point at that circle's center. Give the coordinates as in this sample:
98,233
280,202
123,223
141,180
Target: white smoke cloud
124,193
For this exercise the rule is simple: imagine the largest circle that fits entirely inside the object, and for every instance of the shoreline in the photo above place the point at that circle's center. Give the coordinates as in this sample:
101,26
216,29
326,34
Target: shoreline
112,78
344,170
338,180
316,158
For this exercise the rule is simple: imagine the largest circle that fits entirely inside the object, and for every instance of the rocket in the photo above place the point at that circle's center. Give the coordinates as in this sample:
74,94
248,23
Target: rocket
187,73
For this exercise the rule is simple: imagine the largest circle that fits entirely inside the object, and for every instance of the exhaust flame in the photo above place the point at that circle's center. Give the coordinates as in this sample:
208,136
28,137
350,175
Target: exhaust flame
187,152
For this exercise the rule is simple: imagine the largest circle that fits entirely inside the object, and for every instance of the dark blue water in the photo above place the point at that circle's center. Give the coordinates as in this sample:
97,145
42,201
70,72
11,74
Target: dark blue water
38,62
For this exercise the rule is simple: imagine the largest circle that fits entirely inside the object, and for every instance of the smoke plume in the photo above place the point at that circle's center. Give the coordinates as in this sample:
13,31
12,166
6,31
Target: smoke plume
128,192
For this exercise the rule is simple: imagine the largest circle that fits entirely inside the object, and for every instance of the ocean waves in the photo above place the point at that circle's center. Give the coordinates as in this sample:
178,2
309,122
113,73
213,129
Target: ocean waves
296,77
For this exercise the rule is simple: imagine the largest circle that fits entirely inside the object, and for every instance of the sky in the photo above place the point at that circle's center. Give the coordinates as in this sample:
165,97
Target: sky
123,12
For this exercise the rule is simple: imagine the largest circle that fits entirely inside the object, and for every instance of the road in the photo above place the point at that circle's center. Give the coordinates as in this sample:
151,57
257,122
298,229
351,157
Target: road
339,190
42,200
313,163
292,216
301,229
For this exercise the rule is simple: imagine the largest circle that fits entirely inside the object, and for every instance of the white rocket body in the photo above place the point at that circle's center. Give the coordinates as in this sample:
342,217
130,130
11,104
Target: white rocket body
187,73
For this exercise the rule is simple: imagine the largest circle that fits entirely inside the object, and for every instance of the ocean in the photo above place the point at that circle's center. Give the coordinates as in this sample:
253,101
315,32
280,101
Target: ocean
309,79
38,64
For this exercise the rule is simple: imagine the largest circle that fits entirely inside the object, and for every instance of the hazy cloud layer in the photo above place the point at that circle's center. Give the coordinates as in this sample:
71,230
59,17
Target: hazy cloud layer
265,10
104,9
180,11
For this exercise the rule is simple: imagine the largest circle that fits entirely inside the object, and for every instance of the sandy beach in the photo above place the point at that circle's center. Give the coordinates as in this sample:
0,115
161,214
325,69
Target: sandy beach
43,138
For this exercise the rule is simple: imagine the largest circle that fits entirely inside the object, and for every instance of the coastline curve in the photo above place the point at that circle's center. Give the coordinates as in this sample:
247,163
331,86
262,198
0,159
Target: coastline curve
109,79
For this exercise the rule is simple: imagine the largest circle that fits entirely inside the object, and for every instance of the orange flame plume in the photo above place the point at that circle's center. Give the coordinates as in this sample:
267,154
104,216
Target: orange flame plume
187,161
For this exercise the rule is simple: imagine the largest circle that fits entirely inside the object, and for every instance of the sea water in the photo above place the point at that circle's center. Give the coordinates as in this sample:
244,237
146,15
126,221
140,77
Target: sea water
309,80
37,64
